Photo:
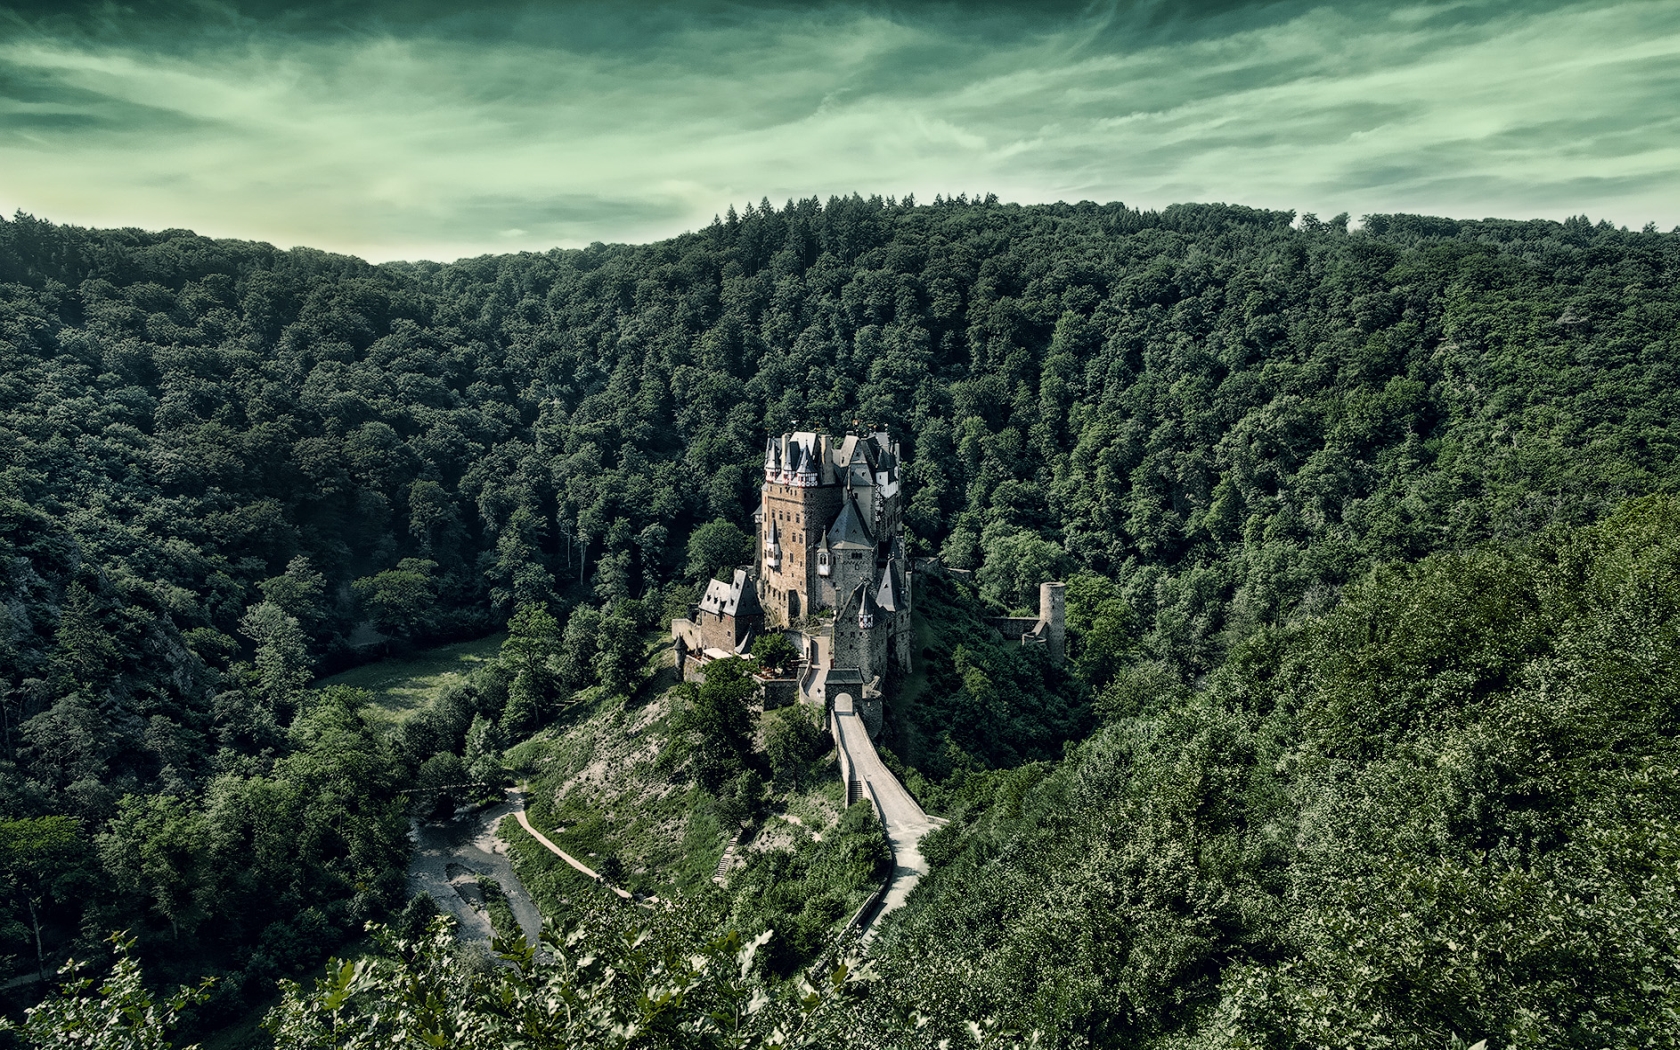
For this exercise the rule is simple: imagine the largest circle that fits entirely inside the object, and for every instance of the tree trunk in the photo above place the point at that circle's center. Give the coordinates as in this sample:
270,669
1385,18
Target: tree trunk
40,956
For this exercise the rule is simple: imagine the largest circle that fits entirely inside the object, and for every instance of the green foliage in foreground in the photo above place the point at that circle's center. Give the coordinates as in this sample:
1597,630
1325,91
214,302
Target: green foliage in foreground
1450,808
619,979
116,1013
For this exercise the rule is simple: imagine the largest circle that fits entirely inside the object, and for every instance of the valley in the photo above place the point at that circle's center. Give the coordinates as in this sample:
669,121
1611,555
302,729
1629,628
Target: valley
1352,720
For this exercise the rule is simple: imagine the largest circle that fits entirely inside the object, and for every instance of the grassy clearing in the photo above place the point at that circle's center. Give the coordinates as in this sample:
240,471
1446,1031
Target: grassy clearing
551,881
403,685
600,790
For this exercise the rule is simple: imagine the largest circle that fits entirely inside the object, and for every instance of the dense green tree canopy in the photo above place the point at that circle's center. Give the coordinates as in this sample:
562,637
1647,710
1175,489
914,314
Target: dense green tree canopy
1446,809
1346,639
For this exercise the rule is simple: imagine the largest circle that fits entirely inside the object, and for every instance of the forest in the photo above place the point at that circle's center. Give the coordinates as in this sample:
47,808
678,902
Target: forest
1372,535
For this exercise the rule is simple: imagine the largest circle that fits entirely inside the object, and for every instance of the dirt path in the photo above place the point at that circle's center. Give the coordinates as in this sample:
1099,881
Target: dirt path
448,855
518,798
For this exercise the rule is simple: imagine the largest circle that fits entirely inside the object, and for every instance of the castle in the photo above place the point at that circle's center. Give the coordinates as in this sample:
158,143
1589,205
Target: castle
831,573
829,570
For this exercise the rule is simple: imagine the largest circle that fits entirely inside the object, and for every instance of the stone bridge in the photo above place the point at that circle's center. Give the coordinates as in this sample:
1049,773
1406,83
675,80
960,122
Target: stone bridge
866,776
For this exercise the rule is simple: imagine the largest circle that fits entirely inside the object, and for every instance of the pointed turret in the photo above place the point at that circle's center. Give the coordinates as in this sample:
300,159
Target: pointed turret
891,596
867,606
825,556
805,471
784,468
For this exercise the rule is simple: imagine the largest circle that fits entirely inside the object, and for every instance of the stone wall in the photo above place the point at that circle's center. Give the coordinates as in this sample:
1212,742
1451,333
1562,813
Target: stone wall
1013,627
801,516
1048,628
779,692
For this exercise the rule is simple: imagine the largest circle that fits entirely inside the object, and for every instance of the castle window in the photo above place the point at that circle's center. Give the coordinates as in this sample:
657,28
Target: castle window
822,563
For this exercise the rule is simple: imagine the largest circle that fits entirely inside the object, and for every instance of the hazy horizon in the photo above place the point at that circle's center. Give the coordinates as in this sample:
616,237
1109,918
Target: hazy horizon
418,131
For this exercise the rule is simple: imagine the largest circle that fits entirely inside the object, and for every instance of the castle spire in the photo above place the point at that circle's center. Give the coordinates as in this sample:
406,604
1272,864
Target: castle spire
867,608
805,473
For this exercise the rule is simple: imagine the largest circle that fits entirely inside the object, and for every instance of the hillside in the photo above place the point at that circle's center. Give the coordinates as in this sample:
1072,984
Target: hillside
617,786
1340,511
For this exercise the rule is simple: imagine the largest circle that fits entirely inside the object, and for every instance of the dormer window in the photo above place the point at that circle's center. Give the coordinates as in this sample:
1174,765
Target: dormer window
866,620
822,563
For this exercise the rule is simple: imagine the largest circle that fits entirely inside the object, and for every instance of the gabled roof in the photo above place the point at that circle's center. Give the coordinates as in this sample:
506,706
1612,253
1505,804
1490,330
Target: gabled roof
715,598
848,530
847,449
738,598
745,595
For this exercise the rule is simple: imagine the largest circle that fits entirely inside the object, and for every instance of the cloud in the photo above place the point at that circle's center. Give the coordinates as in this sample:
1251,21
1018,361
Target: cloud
442,134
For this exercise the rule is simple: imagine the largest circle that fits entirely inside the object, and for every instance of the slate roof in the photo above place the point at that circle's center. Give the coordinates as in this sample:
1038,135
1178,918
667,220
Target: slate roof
891,595
847,448
738,598
848,531
867,606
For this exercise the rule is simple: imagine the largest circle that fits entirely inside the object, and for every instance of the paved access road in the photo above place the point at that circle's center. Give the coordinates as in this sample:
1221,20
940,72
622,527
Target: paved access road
905,821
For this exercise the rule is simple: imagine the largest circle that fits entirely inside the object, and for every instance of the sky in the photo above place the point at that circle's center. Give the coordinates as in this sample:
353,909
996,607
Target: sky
408,129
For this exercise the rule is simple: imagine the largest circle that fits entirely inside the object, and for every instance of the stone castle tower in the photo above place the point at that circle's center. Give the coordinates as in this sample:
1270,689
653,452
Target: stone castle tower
830,570
830,517
832,564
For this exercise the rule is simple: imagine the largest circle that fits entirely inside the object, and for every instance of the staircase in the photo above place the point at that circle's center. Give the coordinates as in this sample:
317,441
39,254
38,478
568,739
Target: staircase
727,861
